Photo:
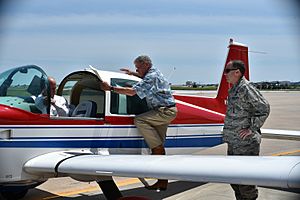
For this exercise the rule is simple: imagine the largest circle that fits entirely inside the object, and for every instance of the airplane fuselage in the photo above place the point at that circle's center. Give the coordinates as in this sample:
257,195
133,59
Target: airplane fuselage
105,128
25,141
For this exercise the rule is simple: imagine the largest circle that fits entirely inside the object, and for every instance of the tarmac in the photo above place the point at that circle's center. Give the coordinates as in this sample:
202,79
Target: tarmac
285,114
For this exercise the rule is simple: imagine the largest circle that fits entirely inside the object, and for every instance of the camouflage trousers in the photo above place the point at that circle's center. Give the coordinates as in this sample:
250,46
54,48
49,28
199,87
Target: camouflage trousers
244,192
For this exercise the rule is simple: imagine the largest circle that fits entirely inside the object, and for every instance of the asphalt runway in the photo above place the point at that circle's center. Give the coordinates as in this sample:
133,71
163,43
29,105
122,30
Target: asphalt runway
285,114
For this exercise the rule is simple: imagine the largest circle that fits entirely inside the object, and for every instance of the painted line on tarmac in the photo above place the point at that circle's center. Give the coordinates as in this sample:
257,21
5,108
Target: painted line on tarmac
286,153
120,183
71,193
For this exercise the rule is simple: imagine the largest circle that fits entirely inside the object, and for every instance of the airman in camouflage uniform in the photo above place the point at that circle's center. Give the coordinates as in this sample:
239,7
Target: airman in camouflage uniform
246,112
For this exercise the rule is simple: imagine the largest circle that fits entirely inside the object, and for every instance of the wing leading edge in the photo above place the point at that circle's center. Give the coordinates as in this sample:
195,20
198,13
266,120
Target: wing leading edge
269,171
281,134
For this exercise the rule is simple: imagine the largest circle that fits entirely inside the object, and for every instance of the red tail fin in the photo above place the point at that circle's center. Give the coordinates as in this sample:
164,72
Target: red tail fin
236,51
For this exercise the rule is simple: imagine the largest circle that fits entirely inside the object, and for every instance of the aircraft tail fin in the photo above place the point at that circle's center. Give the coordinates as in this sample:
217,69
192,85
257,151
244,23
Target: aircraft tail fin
237,51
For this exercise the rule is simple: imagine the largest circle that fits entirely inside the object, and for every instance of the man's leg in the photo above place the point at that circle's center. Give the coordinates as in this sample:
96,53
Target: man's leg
168,114
162,131
245,192
146,123
248,192
235,187
153,126
161,184
237,192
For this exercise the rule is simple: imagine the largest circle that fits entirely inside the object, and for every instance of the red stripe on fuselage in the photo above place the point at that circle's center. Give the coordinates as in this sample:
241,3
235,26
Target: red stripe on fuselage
186,115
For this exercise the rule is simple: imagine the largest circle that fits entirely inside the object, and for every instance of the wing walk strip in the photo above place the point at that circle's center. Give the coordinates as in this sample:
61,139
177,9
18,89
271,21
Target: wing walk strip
128,181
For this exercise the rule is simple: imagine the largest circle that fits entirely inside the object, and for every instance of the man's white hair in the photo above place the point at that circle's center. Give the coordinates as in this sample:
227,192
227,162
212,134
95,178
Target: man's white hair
143,59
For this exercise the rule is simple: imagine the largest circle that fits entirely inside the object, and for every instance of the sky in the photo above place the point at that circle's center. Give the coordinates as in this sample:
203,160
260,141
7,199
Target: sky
186,39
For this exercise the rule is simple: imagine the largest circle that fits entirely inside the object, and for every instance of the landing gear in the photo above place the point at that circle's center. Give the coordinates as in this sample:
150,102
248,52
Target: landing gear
17,190
110,189
112,192
14,195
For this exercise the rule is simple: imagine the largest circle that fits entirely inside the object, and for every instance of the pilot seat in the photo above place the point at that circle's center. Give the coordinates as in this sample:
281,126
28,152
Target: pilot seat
85,109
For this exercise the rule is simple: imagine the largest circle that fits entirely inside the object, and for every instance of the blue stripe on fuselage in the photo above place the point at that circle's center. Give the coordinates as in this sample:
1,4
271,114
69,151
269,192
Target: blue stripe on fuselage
99,126
115,143
111,137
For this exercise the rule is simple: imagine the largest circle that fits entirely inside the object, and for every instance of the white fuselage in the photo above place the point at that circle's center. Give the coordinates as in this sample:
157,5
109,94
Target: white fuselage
28,141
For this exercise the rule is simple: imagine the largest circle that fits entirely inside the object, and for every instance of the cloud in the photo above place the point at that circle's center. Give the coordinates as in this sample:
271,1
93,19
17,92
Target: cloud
191,36
141,23
196,57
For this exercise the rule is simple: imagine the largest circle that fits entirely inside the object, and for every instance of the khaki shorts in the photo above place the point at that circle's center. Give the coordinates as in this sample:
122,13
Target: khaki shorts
153,125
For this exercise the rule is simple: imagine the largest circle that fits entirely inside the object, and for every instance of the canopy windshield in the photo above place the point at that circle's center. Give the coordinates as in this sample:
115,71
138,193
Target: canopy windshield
20,86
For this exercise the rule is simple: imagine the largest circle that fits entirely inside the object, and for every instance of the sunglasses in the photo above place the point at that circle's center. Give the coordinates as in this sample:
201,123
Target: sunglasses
229,70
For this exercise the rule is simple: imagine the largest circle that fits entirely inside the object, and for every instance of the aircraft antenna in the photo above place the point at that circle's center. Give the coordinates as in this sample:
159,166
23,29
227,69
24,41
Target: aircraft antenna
171,74
261,52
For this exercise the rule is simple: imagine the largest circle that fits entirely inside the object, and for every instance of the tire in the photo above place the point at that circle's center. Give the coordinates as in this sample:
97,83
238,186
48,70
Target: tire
14,195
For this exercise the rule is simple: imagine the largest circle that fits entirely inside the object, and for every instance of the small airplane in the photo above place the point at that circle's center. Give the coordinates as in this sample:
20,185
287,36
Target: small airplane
99,140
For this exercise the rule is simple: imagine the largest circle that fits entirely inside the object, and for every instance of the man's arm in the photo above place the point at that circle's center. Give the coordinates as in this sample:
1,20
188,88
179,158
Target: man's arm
124,90
61,106
127,71
120,90
40,103
260,109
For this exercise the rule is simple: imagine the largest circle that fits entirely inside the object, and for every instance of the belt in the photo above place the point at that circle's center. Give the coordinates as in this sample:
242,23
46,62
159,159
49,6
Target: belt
168,106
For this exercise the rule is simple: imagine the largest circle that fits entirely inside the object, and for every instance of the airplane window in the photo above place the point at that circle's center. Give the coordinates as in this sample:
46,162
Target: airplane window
122,104
25,84
4,75
67,89
79,88
122,108
96,96
20,86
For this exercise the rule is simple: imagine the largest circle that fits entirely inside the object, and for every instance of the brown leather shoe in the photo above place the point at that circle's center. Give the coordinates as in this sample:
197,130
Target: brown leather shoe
159,150
159,185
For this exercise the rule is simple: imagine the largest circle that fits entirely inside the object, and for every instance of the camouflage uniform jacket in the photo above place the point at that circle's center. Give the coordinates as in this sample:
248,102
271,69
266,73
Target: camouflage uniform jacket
246,109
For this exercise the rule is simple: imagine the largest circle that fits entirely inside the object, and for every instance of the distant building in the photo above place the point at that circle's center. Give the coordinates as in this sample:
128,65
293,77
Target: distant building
263,85
273,85
191,84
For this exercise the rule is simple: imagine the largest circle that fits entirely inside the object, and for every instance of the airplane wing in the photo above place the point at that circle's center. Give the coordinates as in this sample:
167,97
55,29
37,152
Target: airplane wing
269,171
280,134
